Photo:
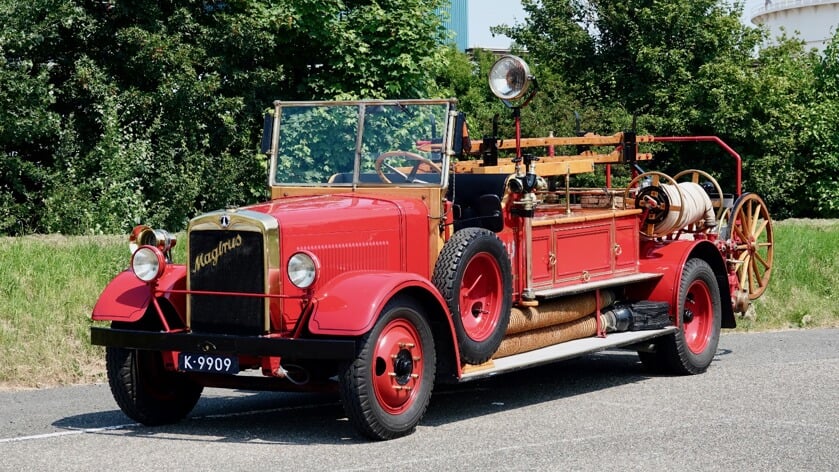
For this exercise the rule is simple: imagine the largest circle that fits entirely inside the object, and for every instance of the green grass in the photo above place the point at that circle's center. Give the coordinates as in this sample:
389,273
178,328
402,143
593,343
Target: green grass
49,284
803,290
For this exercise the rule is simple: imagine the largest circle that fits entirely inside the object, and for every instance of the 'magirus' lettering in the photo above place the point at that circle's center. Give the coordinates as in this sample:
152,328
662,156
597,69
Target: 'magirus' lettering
208,258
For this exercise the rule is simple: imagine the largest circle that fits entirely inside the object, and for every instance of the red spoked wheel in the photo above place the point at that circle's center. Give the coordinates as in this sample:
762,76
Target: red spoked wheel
474,276
386,389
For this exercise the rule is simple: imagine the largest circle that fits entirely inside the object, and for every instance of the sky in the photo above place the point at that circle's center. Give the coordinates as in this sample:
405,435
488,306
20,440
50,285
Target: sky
486,13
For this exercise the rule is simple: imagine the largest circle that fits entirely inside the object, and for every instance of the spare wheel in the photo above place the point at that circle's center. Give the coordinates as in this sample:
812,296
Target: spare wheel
474,276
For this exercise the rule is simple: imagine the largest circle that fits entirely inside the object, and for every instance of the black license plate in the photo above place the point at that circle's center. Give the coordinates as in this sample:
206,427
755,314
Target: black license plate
213,363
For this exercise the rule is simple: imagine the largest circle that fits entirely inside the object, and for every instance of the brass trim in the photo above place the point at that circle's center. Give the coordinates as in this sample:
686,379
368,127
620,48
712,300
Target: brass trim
241,220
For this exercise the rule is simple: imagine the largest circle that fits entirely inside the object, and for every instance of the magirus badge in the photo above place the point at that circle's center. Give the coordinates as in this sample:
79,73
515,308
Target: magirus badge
224,220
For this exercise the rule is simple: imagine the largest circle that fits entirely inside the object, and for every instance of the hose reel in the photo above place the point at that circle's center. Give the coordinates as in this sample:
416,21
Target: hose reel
668,205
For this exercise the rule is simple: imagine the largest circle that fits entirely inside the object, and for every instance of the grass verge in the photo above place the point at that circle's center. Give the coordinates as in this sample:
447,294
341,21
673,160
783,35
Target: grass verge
802,291
49,284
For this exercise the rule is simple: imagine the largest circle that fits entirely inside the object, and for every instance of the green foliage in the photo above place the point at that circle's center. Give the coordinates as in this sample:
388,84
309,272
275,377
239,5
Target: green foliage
692,68
112,113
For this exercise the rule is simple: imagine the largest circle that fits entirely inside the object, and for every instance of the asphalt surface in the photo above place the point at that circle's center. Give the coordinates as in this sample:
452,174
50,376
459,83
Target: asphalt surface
768,402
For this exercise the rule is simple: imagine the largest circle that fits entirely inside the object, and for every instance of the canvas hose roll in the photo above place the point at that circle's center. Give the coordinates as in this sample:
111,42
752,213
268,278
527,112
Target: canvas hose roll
695,206
557,312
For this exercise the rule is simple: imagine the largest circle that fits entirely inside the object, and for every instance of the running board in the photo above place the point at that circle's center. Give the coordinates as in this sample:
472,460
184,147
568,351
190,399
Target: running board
589,286
557,352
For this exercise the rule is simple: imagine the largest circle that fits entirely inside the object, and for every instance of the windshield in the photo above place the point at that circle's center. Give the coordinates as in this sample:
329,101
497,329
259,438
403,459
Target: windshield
361,143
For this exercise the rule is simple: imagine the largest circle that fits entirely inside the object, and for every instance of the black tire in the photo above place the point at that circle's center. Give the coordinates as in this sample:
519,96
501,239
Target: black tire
692,348
145,391
475,260
386,390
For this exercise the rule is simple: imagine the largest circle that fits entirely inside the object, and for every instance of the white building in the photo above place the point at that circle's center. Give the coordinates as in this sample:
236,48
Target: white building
815,21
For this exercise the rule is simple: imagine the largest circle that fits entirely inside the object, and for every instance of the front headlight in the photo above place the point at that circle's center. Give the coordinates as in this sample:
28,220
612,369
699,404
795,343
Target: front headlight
303,269
148,263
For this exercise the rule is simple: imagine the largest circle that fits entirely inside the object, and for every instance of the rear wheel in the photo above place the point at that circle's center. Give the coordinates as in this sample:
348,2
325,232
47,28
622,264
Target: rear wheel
145,391
692,348
386,390
474,276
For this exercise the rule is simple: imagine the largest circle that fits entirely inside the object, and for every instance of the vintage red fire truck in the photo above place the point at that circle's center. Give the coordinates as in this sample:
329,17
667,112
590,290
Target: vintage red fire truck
396,254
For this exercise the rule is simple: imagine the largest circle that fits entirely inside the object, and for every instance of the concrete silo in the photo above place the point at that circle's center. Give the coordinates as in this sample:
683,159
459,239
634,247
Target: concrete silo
814,20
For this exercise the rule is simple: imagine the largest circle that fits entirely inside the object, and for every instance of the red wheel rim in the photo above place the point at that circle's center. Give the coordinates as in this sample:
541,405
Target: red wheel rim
698,317
397,366
480,297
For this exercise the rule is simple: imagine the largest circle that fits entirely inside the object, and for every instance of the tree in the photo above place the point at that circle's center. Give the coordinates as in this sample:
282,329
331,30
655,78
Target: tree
691,68
822,136
151,111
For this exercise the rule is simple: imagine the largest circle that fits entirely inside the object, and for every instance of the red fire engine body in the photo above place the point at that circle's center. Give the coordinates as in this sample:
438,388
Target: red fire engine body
395,254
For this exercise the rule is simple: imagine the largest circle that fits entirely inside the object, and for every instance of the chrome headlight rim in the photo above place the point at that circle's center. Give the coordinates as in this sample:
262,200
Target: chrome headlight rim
148,263
510,78
143,235
302,269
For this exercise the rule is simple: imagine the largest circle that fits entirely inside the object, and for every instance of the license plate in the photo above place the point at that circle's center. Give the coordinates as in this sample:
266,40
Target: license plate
212,363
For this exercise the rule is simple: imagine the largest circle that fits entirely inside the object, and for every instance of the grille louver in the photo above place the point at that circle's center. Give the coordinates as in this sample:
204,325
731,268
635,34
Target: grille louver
227,261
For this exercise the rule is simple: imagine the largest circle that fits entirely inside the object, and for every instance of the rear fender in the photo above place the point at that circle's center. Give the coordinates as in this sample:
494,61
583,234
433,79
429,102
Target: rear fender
126,298
669,260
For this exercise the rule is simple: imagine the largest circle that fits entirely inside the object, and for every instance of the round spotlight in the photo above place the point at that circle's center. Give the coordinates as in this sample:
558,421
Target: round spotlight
509,78
159,238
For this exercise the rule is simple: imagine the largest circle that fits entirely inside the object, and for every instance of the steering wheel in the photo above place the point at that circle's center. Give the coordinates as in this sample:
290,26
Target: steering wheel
410,177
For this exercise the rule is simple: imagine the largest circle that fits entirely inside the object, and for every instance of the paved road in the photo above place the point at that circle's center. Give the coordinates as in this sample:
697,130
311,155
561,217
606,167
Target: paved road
769,402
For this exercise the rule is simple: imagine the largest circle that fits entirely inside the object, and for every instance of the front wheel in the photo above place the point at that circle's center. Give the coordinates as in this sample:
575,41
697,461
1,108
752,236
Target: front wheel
386,390
692,348
145,391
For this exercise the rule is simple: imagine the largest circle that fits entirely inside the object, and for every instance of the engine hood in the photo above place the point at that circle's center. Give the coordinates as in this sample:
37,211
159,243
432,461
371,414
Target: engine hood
337,213
350,232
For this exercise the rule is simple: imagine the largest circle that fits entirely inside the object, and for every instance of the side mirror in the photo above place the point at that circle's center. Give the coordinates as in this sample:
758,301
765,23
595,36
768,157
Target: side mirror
267,129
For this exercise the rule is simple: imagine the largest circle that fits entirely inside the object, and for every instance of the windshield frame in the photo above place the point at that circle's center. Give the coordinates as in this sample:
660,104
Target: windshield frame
446,150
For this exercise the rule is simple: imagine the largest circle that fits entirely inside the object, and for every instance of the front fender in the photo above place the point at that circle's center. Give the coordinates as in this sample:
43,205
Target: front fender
126,297
349,304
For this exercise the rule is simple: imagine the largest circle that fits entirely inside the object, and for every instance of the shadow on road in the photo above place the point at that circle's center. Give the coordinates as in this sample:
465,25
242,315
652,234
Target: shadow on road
294,418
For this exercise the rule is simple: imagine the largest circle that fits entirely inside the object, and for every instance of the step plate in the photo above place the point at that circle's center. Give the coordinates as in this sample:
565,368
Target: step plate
582,287
557,352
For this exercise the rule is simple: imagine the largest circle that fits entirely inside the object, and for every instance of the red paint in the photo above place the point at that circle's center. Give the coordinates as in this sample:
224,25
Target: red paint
480,297
400,341
699,328
124,299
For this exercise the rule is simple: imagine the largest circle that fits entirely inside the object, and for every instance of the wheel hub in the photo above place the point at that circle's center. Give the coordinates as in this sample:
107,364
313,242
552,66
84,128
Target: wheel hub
403,366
